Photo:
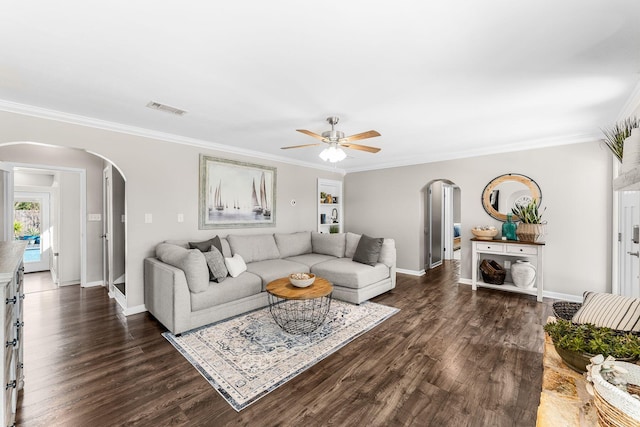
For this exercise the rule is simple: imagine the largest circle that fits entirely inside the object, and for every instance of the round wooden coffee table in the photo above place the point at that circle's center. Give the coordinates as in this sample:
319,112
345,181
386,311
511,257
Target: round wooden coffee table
299,310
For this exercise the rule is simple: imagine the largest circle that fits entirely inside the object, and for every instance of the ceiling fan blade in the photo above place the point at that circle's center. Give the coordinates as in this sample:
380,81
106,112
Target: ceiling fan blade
359,136
361,147
308,132
299,146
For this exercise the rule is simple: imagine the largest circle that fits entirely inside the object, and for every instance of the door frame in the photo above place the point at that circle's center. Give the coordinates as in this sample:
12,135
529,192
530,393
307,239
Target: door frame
44,198
107,230
83,207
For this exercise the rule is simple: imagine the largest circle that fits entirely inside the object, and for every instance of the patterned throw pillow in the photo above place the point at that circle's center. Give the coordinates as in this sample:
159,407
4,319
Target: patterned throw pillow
613,311
215,261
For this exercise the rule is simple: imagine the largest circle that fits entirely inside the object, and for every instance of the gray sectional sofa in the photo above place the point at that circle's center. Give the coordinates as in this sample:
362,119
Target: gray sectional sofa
179,294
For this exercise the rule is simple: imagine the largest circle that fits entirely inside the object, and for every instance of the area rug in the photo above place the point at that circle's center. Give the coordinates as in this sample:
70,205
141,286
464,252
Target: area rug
246,357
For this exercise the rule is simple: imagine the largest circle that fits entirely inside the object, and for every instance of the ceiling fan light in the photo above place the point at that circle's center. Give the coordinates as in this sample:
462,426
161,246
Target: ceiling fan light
333,154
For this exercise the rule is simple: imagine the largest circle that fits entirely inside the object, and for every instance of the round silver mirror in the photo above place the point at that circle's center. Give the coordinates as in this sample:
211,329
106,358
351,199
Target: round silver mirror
506,191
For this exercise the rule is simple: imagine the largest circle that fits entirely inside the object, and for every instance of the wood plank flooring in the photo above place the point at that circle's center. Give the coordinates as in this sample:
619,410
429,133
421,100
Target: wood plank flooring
450,357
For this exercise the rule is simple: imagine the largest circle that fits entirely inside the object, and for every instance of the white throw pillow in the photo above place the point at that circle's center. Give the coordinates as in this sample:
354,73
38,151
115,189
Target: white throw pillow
235,265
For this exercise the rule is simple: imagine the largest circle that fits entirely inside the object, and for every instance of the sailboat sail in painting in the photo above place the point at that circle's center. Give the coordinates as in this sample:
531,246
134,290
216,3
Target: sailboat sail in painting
235,194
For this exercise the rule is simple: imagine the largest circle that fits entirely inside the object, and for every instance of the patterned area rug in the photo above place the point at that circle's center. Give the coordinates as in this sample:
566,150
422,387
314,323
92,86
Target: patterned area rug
247,357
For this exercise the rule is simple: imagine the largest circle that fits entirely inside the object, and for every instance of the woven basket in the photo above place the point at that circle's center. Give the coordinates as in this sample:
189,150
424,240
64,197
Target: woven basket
492,272
614,407
565,309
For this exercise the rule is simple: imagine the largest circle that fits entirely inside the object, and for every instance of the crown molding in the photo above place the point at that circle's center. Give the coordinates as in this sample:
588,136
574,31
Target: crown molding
75,119
521,146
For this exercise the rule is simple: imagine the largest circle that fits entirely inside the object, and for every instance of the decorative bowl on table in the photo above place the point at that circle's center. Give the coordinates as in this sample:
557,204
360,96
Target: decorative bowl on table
302,280
485,233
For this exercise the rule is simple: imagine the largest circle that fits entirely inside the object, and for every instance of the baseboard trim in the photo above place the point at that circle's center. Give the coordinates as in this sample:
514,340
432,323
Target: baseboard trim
92,284
134,310
411,272
545,294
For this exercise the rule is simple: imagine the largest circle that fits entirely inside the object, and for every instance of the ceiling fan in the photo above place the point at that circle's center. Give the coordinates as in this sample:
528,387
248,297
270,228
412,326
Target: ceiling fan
337,141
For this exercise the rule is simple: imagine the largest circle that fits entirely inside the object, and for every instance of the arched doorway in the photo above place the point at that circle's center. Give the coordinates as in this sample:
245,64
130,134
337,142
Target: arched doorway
441,222
79,232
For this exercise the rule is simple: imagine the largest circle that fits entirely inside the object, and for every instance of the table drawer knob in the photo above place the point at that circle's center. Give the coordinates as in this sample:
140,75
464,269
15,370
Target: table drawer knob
11,300
11,384
11,343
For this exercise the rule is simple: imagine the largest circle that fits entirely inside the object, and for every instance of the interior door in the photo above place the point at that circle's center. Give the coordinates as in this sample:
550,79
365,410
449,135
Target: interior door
35,229
629,243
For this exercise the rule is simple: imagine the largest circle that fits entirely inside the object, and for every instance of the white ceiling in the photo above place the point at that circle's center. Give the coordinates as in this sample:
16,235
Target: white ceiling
438,79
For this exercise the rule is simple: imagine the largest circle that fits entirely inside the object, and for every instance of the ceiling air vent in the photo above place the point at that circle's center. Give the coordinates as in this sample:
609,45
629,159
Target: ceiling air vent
166,108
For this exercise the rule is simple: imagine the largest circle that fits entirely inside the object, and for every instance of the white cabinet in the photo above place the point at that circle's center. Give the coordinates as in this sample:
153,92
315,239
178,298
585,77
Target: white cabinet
508,250
12,293
330,213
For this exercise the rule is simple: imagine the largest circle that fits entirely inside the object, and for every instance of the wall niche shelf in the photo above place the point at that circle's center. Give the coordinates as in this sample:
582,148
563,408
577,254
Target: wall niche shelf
330,216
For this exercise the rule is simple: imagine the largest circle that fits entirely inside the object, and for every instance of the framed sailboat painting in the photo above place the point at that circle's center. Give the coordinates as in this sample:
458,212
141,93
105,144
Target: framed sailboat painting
235,194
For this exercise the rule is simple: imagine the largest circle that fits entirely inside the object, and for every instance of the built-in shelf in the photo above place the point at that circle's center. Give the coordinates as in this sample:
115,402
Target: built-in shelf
331,212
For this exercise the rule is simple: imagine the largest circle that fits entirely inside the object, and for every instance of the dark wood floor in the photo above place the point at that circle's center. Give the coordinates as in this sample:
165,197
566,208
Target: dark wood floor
450,357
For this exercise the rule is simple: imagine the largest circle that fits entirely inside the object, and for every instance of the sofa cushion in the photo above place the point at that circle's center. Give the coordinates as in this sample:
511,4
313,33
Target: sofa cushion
205,246
232,289
352,240
235,265
328,244
217,268
368,250
191,261
254,247
270,270
344,272
310,259
292,244
613,311
388,253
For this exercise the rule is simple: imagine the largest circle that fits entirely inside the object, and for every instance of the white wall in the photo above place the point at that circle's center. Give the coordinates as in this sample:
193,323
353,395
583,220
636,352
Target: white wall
69,238
162,179
576,189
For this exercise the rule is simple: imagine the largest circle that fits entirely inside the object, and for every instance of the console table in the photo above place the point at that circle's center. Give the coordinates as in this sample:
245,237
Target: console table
509,250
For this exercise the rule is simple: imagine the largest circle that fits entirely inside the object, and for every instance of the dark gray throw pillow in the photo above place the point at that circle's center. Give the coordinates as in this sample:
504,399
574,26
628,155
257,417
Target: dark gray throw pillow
217,270
205,246
368,250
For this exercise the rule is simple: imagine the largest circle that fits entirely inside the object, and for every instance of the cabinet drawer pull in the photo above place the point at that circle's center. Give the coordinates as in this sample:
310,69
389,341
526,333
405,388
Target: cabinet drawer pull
12,384
11,343
18,324
11,300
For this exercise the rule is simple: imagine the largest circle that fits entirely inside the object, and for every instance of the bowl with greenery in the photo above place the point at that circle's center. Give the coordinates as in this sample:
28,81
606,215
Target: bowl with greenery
577,343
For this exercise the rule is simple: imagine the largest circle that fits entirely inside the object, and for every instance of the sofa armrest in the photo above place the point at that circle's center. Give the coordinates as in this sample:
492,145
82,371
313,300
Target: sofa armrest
166,295
388,258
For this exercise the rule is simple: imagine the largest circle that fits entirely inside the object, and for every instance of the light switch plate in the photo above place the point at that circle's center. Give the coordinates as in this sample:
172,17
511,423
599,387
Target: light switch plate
148,218
94,217
180,217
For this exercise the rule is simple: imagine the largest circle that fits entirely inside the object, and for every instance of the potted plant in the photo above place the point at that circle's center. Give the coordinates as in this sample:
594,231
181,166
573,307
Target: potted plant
17,229
531,227
615,135
577,343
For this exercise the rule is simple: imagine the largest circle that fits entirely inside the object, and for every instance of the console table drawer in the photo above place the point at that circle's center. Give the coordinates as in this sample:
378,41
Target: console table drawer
490,247
525,250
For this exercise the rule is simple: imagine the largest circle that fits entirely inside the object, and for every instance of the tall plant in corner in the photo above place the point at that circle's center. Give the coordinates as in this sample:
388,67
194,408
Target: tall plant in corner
615,135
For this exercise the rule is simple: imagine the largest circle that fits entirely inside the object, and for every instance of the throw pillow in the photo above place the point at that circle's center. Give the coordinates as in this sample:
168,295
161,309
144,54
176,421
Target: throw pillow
205,246
368,250
613,311
215,261
191,261
235,265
